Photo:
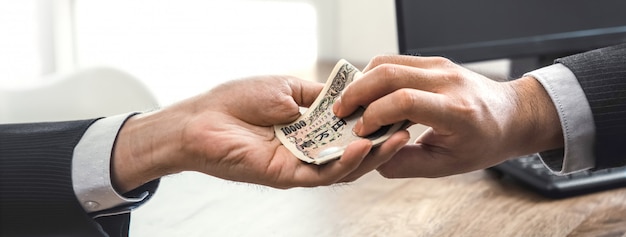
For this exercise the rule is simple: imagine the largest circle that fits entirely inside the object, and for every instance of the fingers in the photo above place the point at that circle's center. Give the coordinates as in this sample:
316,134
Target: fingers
397,92
413,61
309,175
298,93
424,160
417,161
272,99
357,160
379,155
416,106
383,80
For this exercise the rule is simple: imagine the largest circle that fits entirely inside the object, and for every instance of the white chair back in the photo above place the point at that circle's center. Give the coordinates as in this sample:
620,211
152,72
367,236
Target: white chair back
89,93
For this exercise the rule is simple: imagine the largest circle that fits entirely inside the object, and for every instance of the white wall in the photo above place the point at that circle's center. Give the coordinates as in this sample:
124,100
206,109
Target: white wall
327,26
19,47
366,29
356,30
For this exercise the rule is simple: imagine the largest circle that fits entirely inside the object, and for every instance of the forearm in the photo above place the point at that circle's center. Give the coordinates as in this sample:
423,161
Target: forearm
144,148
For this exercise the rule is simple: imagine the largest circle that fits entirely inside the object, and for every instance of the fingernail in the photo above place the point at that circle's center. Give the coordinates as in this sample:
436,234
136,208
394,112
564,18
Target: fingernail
336,106
358,126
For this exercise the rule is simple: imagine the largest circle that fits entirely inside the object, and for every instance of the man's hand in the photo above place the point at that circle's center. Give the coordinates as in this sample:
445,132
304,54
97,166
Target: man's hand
228,133
474,122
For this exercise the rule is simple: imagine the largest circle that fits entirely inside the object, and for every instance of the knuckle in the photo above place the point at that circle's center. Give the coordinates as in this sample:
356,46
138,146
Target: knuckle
405,101
454,76
380,59
441,61
386,70
464,108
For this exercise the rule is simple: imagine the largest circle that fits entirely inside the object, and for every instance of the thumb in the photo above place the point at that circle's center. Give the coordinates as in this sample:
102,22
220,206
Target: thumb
304,92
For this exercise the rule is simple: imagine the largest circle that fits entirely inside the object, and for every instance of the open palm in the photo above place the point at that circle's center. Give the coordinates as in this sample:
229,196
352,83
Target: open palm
233,137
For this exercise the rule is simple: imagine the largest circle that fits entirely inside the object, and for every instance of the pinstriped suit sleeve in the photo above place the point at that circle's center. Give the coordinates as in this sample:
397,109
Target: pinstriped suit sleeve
602,76
36,193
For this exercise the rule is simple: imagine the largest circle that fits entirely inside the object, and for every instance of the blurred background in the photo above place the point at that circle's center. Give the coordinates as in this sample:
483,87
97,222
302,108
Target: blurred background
181,48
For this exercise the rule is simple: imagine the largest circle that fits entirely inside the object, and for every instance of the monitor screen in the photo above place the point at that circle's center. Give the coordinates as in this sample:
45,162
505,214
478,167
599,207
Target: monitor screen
469,31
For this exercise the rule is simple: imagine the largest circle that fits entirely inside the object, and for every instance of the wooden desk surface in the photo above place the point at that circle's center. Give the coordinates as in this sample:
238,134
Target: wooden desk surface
472,204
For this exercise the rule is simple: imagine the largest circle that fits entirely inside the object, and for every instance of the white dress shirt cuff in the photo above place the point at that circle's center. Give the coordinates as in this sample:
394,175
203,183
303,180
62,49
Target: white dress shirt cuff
576,120
91,176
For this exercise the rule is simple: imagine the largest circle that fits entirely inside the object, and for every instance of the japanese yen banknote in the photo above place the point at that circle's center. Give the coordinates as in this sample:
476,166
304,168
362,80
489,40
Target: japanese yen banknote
318,136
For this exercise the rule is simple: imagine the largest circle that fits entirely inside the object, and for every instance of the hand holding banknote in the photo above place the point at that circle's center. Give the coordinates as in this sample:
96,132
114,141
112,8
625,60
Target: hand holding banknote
228,133
318,136
473,122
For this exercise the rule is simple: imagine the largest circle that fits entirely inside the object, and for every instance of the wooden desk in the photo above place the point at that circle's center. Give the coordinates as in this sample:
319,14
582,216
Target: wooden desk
473,204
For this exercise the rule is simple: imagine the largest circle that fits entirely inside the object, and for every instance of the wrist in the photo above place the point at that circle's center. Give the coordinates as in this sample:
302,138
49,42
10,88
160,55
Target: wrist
140,153
536,116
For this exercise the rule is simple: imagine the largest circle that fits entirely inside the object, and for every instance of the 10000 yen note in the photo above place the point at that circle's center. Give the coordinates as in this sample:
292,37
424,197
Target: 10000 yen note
319,136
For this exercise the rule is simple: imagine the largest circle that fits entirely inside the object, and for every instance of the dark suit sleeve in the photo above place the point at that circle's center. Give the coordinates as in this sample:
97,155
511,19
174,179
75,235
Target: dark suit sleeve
602,76
36,193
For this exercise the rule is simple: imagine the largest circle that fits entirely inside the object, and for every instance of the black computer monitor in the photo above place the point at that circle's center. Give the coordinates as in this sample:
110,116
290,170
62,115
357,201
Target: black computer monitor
530,32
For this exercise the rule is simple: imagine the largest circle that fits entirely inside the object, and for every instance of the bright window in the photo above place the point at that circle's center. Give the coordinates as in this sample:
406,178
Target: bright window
19,43
181,48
